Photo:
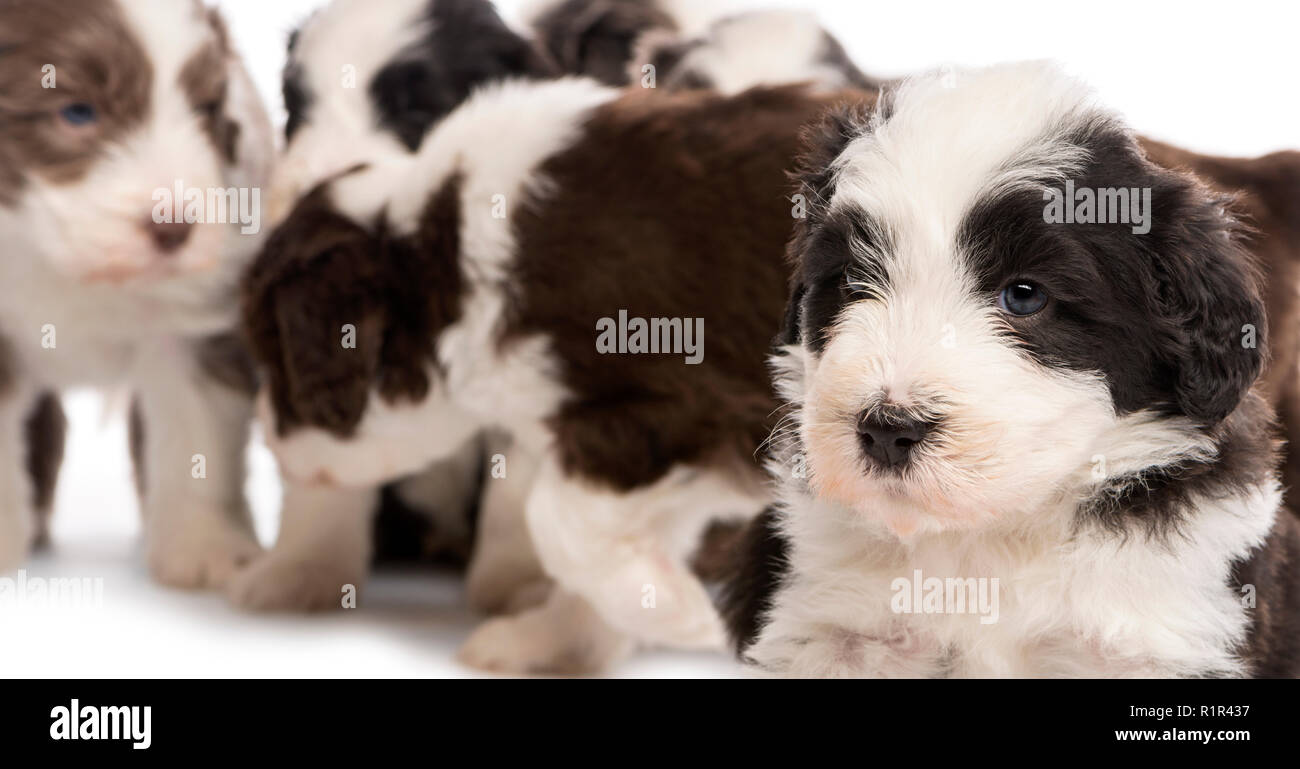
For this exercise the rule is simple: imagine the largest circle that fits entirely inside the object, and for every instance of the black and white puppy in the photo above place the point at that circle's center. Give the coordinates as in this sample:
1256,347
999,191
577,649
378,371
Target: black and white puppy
109,279
364,82
671,45
1017,447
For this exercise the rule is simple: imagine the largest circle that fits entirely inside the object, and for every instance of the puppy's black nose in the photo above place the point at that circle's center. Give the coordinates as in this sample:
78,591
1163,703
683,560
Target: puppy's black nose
168,236
887,436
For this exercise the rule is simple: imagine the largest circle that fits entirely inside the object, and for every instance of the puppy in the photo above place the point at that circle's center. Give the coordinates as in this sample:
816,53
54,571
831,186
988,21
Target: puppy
479,282
1057,419
106,108
748,50
672,46
362,85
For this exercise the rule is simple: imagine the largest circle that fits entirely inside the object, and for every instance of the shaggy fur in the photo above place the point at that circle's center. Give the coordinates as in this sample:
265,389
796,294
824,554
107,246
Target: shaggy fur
142,95
1104,457
412,63
645,448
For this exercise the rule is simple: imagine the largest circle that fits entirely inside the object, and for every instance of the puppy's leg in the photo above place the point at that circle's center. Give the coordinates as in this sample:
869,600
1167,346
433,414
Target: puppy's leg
627,553
324,545
192,430
562,636
46,430
504,562
444,501
18,527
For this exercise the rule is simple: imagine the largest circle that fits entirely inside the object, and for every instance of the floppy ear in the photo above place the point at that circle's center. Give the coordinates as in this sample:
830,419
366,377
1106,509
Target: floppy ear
791,334
315,316
1209,296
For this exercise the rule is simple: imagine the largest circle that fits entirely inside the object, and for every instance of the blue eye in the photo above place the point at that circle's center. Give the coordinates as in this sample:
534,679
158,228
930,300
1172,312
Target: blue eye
78,114
1022,298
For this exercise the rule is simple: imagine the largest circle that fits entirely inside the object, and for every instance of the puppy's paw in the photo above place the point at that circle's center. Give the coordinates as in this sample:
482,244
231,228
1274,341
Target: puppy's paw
199,556
282,582
836,652
560,637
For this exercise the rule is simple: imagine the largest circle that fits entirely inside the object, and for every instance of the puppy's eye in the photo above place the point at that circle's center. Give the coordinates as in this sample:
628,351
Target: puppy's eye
79,114
1022,298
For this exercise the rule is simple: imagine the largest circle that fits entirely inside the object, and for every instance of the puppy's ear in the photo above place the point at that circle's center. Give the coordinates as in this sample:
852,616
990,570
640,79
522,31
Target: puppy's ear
598,37
791,334
315,317
1209,295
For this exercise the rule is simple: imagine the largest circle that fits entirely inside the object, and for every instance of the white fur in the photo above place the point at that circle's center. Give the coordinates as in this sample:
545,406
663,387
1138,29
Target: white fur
340,50
606,547
995,496
764,48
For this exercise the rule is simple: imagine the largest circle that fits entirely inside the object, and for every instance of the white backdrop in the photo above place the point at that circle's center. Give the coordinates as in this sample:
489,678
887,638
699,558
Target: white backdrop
1213,77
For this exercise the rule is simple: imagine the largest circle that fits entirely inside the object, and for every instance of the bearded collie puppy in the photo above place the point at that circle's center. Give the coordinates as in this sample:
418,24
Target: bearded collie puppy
364,82
497,280
673,45
1023,433
133,150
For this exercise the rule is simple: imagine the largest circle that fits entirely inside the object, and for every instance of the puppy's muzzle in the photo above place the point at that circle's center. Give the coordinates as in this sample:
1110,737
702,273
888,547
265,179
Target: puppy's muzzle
889,435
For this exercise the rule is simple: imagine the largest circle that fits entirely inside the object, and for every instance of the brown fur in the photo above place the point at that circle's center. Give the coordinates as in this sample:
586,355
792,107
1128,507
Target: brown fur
204,80
98,61
701,237
1273,572
321,271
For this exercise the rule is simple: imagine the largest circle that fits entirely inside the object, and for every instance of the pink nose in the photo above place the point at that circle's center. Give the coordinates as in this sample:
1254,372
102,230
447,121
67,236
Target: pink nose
168,236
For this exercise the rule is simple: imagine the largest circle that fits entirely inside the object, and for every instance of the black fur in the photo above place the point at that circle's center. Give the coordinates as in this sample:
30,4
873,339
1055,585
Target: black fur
597,38
1178,296
468,45
759,563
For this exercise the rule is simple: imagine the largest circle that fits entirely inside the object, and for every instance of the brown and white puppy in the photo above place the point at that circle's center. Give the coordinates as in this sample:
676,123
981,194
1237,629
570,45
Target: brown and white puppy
1020,444
364,82
486,282
108,108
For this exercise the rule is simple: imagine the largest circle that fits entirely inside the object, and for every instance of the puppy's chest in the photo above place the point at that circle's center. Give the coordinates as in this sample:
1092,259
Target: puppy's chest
62,342
1023,609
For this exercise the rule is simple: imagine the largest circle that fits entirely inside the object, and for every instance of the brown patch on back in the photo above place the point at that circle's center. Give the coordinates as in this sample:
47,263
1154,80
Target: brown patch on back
46,430
669,208
97,61
320,271
1267,197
